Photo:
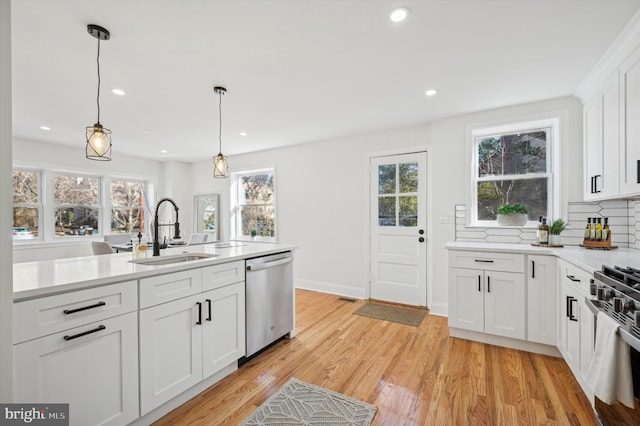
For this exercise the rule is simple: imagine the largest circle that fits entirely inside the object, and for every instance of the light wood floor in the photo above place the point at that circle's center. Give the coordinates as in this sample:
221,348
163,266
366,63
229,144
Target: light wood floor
415,376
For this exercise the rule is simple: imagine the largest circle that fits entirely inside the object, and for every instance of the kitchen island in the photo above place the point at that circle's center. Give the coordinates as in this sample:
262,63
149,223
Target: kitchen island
125,342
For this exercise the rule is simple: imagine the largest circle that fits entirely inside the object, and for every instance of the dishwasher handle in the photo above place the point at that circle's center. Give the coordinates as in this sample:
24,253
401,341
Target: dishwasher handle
268,265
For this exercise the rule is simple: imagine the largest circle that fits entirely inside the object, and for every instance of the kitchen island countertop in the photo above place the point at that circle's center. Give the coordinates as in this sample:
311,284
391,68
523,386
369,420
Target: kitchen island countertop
48,277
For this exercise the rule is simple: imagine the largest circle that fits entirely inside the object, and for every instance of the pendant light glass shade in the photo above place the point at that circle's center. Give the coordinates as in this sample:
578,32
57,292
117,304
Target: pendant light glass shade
220,165
98,138
98,143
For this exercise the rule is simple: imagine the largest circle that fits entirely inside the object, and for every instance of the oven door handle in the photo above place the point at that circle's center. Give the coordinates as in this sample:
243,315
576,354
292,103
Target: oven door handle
626,337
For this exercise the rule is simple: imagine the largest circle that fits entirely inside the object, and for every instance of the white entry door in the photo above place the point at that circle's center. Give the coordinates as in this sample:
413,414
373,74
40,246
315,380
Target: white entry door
398,203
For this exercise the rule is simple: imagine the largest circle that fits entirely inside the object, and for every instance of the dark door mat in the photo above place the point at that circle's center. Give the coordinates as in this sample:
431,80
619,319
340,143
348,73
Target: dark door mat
407,316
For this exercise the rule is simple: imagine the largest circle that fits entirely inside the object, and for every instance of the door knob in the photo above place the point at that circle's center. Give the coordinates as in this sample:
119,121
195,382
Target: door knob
421,239
421,231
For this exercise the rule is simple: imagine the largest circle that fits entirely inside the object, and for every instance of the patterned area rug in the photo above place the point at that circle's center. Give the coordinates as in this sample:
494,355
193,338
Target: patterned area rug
301,403
408,316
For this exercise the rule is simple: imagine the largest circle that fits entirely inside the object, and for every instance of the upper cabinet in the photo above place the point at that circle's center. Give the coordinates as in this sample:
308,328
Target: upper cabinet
630,125
611,131
601,142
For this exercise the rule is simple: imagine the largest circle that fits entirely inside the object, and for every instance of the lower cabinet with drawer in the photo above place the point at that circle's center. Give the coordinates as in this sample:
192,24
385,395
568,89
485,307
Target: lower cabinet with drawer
186,340
487,294
80,348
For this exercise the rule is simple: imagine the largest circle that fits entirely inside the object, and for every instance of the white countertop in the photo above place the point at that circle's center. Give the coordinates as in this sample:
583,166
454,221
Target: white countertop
587,259
47,277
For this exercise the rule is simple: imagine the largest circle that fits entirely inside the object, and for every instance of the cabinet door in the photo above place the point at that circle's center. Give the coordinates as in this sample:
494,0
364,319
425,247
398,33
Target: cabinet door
170,350
466,299
223,327
601,141
630,125
97,373
504,304
542,299
570,327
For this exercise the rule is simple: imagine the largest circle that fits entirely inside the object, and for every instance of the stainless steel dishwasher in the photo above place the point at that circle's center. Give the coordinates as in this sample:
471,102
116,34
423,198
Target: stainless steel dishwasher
269,299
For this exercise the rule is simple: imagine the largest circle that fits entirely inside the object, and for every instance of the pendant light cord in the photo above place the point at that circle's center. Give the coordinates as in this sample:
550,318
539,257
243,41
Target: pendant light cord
220,114
98,97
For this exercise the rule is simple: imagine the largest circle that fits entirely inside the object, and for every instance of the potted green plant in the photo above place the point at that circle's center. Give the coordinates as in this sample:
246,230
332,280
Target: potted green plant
512,215
555,229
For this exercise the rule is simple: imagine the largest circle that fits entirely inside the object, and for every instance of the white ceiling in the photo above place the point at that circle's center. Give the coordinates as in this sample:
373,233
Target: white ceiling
295,71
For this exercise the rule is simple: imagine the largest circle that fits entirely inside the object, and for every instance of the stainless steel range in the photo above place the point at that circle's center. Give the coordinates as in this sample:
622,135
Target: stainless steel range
617,293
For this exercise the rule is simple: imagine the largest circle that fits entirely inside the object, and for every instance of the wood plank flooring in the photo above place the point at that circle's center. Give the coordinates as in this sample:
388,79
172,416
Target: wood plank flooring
415,376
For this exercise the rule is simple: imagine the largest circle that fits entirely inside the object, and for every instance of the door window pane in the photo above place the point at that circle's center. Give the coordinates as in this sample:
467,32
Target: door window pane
387,179
408,211
408,177
387,211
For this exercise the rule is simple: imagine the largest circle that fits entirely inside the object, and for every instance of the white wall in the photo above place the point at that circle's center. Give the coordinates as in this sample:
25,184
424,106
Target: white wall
27,153
6,216
322,204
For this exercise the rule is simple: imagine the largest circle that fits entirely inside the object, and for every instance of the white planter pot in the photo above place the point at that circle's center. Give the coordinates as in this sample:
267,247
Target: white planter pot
555,240
514,219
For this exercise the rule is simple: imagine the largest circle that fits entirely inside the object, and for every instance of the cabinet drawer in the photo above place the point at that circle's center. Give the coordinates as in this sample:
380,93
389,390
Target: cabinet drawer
506,262
40,317
217,276
575,277
165,288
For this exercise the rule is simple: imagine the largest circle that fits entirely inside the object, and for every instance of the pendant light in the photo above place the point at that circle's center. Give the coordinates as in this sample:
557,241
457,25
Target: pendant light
98,138
220,166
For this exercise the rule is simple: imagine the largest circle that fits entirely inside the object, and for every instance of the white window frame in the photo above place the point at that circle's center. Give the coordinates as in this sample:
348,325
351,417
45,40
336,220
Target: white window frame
552,167
235,205
46,214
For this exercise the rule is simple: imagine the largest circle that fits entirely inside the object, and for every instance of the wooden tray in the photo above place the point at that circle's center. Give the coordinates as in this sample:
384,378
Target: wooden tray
590,247
547,245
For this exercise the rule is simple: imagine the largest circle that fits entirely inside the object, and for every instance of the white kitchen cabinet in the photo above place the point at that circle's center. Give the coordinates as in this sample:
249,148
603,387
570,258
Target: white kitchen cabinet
486,300
601,122
576,322
188,339
93,367
223,327
542,299
629,124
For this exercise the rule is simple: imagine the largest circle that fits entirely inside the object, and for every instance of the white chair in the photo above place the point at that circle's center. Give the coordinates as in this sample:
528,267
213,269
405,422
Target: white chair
100,247
117,238
198,238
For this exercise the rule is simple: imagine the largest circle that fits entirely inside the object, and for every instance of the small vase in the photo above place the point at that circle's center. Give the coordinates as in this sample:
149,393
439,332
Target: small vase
555,240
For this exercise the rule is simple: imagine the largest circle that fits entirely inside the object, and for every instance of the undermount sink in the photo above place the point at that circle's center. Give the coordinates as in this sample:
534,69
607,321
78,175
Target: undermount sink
178,258
228,244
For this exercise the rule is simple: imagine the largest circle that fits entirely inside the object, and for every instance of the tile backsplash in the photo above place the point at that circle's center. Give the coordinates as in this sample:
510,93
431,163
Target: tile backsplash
624,222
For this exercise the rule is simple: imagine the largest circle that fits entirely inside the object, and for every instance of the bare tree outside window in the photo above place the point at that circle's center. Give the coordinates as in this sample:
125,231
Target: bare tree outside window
127,207
256,204
26,204
512,168
76,205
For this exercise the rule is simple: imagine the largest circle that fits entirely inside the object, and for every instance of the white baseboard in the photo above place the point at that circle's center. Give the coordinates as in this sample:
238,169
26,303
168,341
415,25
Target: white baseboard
507,342
439,309
331,288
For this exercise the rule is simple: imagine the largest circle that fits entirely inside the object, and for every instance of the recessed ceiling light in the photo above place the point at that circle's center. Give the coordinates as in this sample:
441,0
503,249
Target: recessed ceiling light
431,92
164,151
399,14
119,92
243,133
47,128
